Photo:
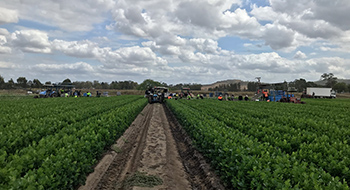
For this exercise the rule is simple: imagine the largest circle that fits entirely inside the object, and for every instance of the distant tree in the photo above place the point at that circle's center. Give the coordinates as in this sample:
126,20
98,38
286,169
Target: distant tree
300,84
330,79
30,84
348,88
37,83
192,86
147,84
96,84
311,84
22,82
104,85
87,84
124,85
82,84
10,84
48,83
177,86
252,86
195,86
66,81
2,82
340,87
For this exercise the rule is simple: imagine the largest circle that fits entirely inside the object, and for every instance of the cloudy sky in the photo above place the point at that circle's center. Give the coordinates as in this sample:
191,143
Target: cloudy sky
173,41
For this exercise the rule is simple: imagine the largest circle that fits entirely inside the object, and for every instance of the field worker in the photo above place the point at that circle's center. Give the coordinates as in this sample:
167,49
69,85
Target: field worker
66,95
220,98
246,98
88,94
266,95
198,96
188,97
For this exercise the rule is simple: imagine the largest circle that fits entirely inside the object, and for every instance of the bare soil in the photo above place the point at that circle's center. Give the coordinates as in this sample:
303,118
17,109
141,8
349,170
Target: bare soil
156,153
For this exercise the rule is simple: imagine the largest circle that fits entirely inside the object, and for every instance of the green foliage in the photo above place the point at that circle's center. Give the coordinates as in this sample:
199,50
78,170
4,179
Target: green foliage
330,79
149,83
22,82
2,81
53,143
341,87
260,145
67,81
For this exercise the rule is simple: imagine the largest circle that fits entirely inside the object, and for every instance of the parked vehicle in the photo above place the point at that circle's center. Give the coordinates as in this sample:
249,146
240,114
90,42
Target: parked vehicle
312,92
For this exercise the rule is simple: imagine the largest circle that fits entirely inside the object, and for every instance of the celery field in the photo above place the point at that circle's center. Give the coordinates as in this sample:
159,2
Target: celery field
262,145
53,143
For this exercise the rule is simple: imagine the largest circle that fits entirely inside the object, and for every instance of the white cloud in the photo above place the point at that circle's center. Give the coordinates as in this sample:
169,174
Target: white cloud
6,65
4,32
323,19
4,49
59,69
264,13
299,55
33,41
164,22
82,49
77,15
205,45
131,57
278,36
8,16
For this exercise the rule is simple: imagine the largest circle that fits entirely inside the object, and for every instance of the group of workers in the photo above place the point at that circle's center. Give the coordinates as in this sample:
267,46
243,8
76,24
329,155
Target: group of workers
240,98
190,96
75,94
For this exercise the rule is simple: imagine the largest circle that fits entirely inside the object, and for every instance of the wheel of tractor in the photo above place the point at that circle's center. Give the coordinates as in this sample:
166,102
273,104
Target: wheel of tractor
149,99
161,99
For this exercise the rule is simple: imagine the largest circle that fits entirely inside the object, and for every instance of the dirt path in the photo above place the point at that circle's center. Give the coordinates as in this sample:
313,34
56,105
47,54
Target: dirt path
153,152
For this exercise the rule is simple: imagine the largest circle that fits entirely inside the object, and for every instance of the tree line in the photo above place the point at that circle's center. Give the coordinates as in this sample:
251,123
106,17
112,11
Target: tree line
23,83
298,84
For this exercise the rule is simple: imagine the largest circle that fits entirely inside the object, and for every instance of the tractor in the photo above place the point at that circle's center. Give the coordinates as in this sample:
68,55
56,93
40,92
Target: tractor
53,90
157,94
48,93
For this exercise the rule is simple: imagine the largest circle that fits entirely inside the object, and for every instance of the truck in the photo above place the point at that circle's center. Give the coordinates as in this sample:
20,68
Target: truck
313,92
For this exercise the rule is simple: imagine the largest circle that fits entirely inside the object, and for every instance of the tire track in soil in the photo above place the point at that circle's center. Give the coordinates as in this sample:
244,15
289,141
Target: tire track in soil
156,144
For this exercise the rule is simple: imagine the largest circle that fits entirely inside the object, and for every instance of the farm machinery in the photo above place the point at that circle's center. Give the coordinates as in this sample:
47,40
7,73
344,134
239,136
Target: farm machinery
269,92
48,93
54,90
157,94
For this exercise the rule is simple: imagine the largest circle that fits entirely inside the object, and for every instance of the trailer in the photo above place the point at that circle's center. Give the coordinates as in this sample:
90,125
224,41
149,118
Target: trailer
312,92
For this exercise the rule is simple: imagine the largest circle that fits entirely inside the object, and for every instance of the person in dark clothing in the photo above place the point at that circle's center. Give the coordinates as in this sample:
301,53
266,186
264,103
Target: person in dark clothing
246,98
